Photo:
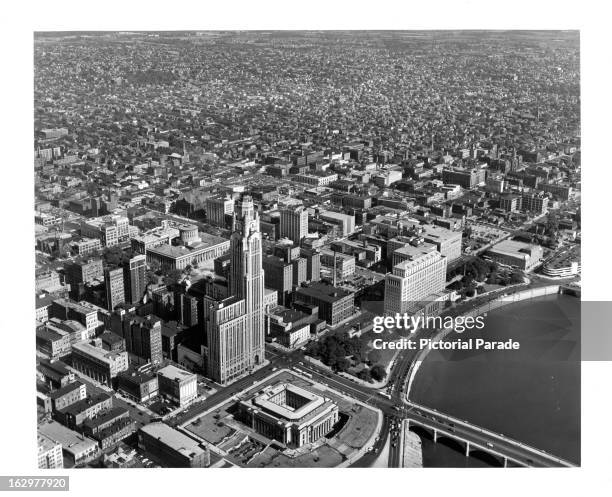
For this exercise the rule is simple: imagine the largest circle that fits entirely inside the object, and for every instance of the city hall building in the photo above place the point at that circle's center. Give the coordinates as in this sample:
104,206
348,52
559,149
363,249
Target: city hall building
289,414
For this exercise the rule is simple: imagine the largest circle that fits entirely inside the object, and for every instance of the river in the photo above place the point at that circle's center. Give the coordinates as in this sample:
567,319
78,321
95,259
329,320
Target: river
531,394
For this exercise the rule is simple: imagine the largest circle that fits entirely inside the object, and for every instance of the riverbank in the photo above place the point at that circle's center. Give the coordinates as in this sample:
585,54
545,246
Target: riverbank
531,395
503,300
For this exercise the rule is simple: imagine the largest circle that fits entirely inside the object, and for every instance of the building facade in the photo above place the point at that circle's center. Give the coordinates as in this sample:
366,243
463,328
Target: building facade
294,223
235,326
423,273
289,414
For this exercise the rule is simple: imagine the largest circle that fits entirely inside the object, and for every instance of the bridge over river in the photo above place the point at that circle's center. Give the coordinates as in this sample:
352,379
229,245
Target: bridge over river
507,451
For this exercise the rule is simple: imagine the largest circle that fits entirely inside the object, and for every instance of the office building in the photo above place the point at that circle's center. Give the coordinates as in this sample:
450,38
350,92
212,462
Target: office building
423,273
80,273
97,363
69,310
142,335
447,242
138,386
278,275
313,263
115,287
345,222
466,178
171,448
135,278
509,202
294,223
235,326
177,385
110,230
534,202
335,304
218,210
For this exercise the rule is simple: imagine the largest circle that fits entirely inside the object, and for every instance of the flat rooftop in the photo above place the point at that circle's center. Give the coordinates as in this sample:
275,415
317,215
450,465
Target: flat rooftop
173,438
309,401
176,251
97,352
176,374
71,440
513,247
324,292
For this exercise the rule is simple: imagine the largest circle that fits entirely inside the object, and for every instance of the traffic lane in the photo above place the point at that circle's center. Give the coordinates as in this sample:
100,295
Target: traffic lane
222,395
506,448
369,458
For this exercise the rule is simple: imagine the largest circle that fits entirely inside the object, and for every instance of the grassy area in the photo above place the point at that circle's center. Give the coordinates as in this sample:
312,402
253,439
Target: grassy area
210,428
322,457
359,427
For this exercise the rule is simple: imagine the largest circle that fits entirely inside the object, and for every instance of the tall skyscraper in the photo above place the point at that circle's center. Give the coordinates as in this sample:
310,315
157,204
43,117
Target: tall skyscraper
115,288
235,325
135,278
294,223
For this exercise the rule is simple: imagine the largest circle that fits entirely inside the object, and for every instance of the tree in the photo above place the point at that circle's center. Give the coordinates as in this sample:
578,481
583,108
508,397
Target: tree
172,277
342,364
378,372
151,277
155,266
365,375
552,223
516,277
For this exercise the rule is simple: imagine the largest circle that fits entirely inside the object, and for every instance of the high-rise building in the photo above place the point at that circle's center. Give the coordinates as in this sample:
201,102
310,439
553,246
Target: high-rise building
142,335
135,278
534,202
313,263
115,287
294,223
217,209
79,273
235,325
422,274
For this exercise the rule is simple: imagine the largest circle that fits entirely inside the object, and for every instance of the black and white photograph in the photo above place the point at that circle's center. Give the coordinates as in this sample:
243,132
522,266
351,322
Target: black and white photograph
300,245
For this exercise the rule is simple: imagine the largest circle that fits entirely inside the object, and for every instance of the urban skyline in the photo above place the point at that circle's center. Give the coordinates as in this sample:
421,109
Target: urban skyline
222,217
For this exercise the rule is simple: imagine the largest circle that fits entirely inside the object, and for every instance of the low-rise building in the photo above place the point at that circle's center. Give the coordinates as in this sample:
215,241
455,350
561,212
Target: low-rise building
171,448
524,256
335,304
76,413
49,453
97,363
289,414
177,385
77,448
68,395
179,257
138,386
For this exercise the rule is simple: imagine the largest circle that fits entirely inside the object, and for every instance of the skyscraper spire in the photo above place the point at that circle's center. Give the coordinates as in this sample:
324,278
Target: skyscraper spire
235,326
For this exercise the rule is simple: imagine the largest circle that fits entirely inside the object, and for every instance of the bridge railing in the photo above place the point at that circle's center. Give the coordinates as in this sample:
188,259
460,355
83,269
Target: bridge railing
492,434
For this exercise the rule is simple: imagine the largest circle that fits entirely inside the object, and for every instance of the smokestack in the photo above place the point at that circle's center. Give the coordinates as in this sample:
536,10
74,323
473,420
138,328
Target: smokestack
334,280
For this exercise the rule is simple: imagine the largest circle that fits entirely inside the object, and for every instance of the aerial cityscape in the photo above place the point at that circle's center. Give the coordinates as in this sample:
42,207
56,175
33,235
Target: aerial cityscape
287,249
